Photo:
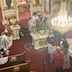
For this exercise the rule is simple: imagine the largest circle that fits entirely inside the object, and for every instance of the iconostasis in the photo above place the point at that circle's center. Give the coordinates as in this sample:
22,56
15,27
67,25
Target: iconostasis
22,5
37,6
9,9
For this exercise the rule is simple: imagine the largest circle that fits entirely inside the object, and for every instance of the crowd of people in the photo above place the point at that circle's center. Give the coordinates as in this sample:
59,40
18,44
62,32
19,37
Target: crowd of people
37,21
58,53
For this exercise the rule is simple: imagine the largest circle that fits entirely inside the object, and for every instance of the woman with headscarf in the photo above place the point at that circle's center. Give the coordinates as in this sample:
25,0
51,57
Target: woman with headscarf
65,48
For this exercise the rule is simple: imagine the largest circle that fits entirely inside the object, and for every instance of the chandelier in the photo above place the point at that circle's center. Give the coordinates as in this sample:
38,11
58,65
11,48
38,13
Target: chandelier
62,22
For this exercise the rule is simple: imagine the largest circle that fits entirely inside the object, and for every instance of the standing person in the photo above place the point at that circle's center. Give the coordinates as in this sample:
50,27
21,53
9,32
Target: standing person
44,21
50,37
36,20
35,17
51,49
66,56
30,24
59,59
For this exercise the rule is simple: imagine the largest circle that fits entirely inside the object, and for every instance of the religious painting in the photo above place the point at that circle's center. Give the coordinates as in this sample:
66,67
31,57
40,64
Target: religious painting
56,2
8,4
37,2
22,6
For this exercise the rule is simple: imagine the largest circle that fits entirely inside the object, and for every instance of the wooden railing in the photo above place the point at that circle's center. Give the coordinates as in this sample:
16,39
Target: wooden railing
14,60
24,67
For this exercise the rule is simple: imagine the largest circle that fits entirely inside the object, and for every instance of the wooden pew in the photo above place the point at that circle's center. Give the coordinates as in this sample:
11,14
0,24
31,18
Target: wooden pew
14,60
24,67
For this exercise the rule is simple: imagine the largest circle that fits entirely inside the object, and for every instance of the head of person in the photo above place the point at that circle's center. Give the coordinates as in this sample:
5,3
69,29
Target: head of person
65,44
58,48
52,42
35,13
1,55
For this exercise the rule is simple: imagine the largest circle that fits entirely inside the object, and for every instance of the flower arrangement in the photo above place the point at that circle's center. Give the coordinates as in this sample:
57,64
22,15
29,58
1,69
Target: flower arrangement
10,17
40,29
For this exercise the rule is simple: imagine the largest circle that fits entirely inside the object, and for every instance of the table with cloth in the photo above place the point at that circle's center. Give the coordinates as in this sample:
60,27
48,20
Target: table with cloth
39,40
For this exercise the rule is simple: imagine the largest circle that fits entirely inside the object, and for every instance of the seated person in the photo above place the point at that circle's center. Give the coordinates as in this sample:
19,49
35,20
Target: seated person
5,43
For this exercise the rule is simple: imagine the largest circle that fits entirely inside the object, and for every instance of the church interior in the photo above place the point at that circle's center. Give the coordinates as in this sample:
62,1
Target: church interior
28,28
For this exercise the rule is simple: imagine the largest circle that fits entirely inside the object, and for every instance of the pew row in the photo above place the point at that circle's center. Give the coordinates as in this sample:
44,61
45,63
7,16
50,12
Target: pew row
14,60
24,67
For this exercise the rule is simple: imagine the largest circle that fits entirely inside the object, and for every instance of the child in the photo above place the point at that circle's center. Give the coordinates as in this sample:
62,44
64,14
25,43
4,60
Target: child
51,50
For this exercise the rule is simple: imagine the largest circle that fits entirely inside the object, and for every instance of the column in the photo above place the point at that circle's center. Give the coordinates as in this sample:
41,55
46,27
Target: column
50,25
31,7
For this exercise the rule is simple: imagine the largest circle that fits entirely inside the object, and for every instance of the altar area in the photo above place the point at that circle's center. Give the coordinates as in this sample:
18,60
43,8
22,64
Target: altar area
38,40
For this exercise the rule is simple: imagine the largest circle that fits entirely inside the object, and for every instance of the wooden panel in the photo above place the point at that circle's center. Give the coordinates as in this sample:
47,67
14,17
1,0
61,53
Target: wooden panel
14,60
24,67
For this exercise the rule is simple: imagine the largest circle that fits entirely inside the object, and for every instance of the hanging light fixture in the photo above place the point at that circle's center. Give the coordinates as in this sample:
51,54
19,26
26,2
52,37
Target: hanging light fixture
62,22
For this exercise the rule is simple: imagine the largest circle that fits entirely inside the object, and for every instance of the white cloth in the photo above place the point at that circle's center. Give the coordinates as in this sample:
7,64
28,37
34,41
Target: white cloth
49,48
61,42
5,42
31,24
3,60
34,18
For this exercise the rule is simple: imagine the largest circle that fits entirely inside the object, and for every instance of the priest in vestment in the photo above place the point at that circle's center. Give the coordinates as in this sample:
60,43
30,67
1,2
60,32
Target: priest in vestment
5,44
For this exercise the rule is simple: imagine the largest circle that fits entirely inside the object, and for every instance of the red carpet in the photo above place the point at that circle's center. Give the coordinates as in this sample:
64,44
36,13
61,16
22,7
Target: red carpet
33,55
25,15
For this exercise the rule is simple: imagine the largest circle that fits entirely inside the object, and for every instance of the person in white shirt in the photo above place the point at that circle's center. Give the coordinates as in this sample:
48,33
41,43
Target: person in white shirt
30,24
35,17
51,49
